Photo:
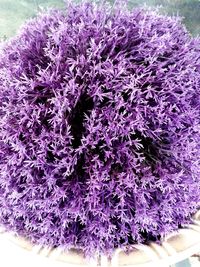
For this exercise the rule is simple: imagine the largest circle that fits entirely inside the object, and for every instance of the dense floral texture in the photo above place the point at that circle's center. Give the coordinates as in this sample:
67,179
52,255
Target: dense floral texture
99,140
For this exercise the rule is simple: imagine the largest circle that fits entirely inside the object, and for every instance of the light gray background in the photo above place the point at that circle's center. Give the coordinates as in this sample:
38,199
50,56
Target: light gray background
14,12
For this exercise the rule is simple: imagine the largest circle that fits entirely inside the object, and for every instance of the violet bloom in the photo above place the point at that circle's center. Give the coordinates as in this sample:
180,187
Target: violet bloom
99,128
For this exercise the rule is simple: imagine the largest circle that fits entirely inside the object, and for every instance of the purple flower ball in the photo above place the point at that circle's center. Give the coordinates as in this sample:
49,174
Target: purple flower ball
99,128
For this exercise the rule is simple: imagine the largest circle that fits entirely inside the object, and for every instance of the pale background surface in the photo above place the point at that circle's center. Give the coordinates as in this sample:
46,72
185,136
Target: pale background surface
14,12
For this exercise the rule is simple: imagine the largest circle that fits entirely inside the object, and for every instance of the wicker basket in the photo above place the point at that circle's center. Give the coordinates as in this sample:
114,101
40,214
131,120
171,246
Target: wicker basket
16,252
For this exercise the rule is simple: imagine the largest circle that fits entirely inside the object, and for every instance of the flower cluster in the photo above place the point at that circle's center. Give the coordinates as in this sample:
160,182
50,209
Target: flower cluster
99,127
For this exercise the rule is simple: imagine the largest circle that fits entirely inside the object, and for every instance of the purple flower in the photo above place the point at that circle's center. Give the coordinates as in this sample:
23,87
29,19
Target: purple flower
100,132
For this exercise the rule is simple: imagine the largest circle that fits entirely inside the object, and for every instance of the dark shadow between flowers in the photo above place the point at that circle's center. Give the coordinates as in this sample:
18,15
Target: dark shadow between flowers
76,118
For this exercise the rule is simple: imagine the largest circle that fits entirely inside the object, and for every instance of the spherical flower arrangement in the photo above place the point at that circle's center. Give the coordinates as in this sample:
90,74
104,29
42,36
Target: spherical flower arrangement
99,128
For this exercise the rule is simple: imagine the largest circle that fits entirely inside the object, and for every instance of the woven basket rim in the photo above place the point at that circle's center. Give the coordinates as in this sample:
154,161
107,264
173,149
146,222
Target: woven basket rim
175,247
